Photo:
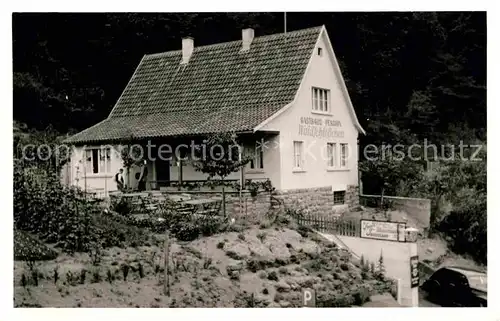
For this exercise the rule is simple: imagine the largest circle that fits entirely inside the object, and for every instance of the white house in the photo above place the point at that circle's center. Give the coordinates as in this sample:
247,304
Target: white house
282,94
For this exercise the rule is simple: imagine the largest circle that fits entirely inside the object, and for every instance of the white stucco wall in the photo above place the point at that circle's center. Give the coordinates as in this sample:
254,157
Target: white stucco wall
320,73
271,160
80,177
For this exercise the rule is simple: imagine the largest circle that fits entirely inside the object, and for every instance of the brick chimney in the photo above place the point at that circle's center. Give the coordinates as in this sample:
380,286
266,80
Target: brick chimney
247,37
187,49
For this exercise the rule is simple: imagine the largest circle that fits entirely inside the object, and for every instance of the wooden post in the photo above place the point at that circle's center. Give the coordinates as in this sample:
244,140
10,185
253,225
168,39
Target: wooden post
166,284
180,173
223,201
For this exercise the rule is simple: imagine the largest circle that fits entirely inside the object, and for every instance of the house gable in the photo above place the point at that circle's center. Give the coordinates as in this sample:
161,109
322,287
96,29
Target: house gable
324,44
316,129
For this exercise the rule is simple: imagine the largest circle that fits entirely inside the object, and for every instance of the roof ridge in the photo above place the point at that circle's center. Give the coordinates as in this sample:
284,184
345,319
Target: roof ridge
276,35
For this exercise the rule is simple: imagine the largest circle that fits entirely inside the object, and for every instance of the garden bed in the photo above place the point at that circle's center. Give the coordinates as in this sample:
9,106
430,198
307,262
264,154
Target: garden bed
253,268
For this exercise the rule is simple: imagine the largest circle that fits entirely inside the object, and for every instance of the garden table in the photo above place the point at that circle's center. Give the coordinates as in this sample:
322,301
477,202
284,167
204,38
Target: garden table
204,206
137,199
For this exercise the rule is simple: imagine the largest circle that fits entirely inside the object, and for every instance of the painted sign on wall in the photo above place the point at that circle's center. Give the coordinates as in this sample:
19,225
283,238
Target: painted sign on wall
320,128
414,271
381,230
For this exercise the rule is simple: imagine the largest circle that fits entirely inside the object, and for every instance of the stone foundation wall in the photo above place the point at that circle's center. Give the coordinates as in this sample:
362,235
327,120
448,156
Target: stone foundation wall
352,196
313,200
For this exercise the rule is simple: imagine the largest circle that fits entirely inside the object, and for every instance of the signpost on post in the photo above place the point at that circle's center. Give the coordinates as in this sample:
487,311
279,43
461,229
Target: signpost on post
414,271
382,230
309,298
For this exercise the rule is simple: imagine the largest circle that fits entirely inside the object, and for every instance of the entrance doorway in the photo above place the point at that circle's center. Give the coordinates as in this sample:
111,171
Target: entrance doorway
162,172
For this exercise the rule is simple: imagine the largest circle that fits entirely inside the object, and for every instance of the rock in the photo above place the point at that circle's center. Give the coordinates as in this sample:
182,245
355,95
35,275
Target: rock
237,250
234,275
235,266
285,304
293,284
283,287
328,277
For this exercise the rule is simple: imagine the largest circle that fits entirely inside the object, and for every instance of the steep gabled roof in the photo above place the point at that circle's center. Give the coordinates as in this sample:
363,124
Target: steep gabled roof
220,89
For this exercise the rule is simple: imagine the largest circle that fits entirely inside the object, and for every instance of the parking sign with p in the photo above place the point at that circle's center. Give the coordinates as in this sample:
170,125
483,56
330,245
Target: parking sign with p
309,298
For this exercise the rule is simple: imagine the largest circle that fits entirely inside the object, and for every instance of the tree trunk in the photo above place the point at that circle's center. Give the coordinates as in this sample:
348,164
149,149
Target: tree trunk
382,198
128,177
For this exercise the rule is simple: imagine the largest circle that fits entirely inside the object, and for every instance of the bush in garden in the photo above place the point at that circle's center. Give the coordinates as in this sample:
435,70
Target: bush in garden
62,215
27,248
121,205
188,227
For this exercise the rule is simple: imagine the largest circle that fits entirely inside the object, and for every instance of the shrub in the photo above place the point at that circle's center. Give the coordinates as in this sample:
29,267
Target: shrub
83,275
27,248
109,276
64,216
466,228
141,270
121,205
189,227
96,275
56,274
220,245
361,296
262,236
272,276
24,281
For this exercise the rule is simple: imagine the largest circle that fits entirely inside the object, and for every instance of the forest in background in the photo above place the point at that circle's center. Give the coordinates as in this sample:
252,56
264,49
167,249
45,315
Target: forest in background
411,76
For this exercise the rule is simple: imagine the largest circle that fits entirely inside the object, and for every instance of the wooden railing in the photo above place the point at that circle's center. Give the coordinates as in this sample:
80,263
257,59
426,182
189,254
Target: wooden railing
329,224
197,184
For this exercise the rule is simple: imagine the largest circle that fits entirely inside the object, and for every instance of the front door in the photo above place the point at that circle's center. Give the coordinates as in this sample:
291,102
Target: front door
162,172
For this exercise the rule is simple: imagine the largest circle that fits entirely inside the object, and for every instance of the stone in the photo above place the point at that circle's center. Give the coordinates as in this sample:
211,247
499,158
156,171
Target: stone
283,287
285,304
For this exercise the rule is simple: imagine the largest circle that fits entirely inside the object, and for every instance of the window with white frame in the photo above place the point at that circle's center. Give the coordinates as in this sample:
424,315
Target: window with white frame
298,161
343,155
98,160
320,100
331,154
257,161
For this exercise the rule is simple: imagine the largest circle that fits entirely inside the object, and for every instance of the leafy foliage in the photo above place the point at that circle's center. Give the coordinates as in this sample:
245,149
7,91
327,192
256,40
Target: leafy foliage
63,216
27,248
121,205
219,156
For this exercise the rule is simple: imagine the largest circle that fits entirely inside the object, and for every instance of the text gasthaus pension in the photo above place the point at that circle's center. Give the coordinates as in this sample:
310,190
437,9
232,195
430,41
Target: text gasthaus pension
317,127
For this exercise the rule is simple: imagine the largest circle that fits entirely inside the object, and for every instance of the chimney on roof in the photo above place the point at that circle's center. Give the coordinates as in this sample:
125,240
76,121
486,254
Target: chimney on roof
247,37
187,49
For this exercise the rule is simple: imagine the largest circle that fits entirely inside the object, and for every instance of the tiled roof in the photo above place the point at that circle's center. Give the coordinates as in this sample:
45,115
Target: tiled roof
220,89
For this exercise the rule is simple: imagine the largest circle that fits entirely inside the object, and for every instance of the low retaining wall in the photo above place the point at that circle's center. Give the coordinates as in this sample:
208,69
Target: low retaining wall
419,209
314,200
319,200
